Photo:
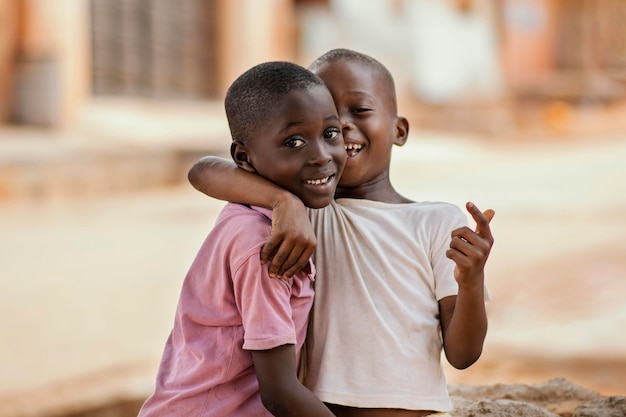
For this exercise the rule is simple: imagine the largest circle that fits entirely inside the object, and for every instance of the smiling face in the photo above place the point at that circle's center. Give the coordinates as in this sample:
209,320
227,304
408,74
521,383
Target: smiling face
365,101
298,146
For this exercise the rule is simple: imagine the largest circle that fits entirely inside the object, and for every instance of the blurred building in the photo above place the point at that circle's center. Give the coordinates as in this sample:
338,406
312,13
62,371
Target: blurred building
55,55
450,57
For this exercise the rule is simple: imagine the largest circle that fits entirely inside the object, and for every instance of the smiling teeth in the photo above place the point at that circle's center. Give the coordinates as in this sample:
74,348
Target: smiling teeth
318,182
353,147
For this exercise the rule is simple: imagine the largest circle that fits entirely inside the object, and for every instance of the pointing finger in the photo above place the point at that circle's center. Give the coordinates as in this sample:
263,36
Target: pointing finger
482,219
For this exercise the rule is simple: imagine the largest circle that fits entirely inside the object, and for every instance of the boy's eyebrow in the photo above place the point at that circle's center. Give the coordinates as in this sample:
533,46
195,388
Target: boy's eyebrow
360,93
293,124
290,125
363,94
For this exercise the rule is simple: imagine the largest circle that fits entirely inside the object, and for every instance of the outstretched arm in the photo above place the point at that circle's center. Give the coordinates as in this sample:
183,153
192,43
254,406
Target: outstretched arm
292,240
281,392
463,317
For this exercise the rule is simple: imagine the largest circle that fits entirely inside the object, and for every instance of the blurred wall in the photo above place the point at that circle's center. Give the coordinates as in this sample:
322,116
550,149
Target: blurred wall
8,51
46,56
441,51
529,36
251,32
44,65
456,55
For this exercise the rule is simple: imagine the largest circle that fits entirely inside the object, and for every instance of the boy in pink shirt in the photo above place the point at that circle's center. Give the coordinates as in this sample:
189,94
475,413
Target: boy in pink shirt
237,335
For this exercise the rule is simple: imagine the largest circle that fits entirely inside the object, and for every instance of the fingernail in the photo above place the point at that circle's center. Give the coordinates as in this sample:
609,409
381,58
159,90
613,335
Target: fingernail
273,275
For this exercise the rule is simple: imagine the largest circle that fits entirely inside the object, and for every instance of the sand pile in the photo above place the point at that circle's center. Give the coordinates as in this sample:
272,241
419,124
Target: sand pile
554,398
557,397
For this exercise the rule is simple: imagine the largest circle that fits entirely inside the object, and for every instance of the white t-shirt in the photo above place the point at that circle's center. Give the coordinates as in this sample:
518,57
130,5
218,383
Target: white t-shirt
374,336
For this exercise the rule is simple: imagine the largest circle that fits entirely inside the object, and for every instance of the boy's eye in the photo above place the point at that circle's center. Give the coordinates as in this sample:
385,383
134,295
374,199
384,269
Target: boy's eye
360,109
331,133
294,142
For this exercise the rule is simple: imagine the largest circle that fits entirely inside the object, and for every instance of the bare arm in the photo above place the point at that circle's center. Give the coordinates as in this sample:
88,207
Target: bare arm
281,392
463,317
292,240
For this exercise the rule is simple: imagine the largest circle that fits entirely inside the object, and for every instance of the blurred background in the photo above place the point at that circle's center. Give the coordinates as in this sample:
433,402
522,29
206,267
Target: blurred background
518,105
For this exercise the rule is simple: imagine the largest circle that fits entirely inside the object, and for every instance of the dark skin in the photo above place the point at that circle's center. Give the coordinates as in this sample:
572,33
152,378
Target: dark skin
371,128
281,392
299,148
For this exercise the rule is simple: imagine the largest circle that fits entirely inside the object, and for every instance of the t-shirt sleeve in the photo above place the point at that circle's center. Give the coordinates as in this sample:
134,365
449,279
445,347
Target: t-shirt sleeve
264,304
448,219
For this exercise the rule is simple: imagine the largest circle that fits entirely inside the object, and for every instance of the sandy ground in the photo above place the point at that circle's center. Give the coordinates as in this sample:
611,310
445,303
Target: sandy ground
89,287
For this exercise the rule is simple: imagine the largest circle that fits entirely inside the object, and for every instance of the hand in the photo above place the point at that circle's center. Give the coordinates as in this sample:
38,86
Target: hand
470,249
292,240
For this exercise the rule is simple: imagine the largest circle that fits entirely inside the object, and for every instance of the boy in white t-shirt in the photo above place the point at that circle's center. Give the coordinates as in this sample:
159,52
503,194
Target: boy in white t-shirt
397,281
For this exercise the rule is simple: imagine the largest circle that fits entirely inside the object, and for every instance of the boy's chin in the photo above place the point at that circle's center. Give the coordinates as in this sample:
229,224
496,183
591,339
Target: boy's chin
317,203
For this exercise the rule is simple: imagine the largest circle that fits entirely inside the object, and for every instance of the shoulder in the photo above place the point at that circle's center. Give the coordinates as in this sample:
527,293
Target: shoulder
433,217
430,210
447,215
240,218
241,228
442,210
419,211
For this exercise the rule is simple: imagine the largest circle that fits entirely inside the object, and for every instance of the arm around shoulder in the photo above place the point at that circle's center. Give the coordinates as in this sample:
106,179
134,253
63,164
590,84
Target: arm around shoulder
292,241
281,392
222,179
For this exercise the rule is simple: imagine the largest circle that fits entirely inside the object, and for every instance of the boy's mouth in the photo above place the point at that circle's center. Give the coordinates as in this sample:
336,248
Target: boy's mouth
319,181
352,149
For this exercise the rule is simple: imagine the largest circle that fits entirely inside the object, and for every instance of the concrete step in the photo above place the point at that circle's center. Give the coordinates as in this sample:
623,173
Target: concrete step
49,167
116,146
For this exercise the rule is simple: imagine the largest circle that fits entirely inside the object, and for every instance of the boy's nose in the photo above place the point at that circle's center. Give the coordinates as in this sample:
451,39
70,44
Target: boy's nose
346,124
320,154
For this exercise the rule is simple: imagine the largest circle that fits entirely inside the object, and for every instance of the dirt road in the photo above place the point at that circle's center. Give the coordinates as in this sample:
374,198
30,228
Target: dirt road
89,287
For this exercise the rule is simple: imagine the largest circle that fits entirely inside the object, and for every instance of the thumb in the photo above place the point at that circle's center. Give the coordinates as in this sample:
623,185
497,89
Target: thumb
489,213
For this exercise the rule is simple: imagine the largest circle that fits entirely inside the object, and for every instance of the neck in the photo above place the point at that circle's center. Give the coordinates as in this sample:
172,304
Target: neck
378,190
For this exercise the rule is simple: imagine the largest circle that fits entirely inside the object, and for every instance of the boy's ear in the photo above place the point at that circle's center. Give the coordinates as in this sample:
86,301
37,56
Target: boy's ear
239,153
402,130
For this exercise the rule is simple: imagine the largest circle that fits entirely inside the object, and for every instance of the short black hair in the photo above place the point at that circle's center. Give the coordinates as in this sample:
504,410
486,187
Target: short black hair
252,96
342,54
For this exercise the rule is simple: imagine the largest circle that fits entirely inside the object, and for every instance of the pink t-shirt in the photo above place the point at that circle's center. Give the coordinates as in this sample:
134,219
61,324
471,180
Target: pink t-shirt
227,307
